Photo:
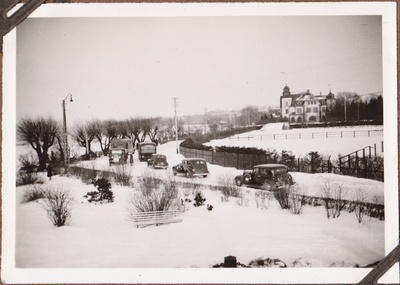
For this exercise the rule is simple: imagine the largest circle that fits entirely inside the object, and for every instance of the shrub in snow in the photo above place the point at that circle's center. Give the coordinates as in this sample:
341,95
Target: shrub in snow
262,199
282,196
228,187
58,205
360,206
28,162
242,201
25,178
307,262
122,175
267,262
199,200
152,194
296,200
292,198
103,193
332,197
33,193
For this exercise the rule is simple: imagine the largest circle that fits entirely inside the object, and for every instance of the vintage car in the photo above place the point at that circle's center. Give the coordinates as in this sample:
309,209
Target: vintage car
117,156
157,161
269,177
191,167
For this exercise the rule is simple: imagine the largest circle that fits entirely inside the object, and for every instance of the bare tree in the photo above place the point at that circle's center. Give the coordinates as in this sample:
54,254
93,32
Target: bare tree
84,134
333,198
40,134
104,133
154,126
249,115
214,122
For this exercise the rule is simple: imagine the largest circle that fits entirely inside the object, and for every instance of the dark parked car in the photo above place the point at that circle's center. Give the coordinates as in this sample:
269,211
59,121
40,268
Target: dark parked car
157,161
191,167
269,177
118,156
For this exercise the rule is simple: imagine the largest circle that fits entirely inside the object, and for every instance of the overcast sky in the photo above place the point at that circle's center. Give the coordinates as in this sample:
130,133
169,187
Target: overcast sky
129,67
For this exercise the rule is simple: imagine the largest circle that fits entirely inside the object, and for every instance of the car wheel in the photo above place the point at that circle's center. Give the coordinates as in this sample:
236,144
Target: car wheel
238,182
189,174
204,176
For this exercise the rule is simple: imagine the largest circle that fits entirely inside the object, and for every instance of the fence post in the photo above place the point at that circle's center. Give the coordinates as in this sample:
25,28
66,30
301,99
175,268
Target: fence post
369,152
374,149
368,132
326,134
329,166
274,136
340,164
349,159
365,165
354,134
382,145
298,164
299,135
312,135
356,159
286,136
341,134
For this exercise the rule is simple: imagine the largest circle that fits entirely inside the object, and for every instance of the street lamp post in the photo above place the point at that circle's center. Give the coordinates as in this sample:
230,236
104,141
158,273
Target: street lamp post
66,149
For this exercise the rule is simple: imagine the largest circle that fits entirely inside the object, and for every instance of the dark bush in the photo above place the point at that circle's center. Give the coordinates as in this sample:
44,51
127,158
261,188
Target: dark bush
32,194
24,178
103,192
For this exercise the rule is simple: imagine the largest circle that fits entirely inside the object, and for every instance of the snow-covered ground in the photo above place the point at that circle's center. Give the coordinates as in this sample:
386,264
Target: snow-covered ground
302,144
101,236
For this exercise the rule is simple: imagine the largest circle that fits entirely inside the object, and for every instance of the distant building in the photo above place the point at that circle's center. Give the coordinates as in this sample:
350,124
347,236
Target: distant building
305,107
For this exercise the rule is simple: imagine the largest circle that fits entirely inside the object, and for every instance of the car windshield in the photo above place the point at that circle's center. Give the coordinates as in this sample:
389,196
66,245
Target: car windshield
281,170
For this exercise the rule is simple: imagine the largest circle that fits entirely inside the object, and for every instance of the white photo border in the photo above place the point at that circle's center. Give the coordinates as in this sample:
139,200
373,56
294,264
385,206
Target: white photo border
11,274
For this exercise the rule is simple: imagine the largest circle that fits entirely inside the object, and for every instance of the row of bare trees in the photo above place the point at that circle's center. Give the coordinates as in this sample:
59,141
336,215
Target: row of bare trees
45,133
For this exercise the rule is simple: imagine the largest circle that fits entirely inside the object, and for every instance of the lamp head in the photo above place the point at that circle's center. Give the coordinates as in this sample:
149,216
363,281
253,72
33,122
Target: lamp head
70,100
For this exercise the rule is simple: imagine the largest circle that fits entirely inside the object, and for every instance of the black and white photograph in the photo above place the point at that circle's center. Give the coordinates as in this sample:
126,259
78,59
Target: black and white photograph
165,143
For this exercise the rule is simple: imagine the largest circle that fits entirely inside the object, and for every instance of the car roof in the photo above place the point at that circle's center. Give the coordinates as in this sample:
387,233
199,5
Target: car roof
194,159
273,166
158,154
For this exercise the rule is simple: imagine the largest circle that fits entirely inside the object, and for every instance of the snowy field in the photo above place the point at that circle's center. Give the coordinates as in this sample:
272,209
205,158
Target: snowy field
302,144
101,236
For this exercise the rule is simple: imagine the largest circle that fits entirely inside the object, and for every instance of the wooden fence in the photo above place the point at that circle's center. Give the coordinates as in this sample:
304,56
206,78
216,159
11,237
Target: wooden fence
227,159
307,135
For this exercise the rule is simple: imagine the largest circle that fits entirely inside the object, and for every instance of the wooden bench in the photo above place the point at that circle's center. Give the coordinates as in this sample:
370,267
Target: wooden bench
144,219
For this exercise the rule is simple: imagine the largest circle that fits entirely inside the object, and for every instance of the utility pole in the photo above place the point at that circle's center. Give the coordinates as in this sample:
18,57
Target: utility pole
65,132
205,120
175,105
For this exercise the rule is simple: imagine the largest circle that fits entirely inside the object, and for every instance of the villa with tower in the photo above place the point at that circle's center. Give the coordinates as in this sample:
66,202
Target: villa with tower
305,107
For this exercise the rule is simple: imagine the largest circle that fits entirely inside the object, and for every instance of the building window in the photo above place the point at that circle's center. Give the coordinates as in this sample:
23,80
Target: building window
323,109
287,111
315,110
287,103
299,110
308,110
